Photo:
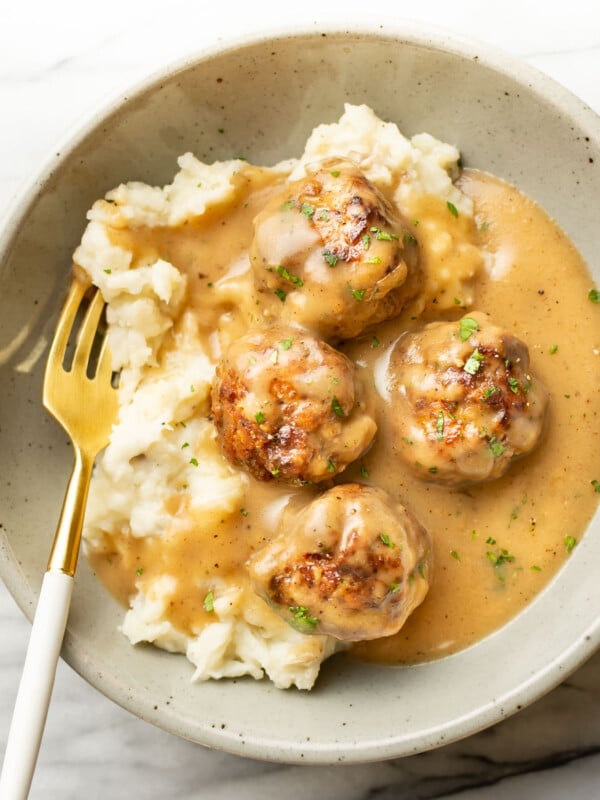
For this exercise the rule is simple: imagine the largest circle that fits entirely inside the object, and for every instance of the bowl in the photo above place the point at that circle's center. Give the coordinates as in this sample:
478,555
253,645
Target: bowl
261,96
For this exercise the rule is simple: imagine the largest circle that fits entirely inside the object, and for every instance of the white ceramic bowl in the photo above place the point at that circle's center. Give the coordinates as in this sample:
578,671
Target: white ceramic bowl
266,93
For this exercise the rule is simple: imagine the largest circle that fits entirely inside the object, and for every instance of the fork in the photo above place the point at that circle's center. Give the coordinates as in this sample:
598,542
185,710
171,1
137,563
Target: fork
85,404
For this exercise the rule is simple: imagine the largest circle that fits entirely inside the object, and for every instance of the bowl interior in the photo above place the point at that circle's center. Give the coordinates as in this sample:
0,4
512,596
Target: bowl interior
260,99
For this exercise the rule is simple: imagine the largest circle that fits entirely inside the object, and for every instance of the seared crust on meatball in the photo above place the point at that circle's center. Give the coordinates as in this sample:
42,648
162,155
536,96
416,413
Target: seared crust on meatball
353,565
464,402
332,254
288,406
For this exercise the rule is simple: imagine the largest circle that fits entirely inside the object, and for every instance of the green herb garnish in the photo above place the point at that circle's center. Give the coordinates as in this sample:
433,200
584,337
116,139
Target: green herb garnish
570,542
496,447
289,277
439,426
473,363
330,257
467,327
452,208
301,619
336,407
209,602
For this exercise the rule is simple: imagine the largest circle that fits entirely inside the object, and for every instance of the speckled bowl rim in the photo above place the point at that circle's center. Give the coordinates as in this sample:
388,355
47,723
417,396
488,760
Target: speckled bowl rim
498,707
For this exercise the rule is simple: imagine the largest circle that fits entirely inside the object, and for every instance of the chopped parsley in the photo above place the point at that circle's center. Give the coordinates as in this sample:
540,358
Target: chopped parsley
489,392
194,462
553,349
383,236
330,466
536,568
259,417
335,173
280,294
374,343
596,485
364,471
209,602
366,240
244,512
452,208
455,555
358,294
439,426
386,540
302,620
336,407
570,543
289,277
432,470
467,327
307,210
498,559
184,445
286,343
473,363
594,295
139,571
375,260
395,586
330,257
496,447
514,385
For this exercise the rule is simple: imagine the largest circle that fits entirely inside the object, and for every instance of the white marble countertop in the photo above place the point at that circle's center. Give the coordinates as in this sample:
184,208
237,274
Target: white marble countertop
57,61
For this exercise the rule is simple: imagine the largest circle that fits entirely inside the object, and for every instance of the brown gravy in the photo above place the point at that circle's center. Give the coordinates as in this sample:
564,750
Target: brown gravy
495,545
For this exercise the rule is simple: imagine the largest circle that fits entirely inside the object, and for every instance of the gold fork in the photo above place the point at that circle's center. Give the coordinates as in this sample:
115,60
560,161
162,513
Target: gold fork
85,404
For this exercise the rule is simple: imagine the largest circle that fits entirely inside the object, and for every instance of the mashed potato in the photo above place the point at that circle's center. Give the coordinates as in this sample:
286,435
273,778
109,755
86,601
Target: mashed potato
163,478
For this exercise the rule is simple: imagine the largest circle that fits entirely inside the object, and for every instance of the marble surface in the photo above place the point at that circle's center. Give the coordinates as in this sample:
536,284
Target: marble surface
57,61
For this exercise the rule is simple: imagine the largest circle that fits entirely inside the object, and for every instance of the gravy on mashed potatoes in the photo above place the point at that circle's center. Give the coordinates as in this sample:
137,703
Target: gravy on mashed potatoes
171,523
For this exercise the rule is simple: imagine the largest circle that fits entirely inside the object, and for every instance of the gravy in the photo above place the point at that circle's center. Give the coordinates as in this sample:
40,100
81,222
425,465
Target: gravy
495,545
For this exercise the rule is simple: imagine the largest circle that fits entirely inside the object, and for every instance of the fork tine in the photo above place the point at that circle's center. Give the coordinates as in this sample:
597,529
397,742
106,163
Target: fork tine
87,332
104,369
65,324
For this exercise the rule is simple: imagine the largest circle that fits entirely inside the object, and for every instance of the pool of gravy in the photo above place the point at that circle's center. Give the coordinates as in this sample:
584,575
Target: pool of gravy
496,545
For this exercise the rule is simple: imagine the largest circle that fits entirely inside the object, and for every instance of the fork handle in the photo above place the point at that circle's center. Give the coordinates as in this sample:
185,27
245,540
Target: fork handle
35,688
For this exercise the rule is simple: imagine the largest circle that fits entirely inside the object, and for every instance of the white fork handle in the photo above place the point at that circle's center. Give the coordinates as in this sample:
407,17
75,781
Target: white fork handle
35,688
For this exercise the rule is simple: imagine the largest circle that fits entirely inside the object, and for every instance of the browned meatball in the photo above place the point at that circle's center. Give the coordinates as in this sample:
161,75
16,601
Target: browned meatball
353,565
464,403
332,254
289,406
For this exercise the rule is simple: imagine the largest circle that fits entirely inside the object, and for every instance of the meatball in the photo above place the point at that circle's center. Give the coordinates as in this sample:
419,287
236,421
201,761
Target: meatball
464,403
332,254
289,406
353,565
